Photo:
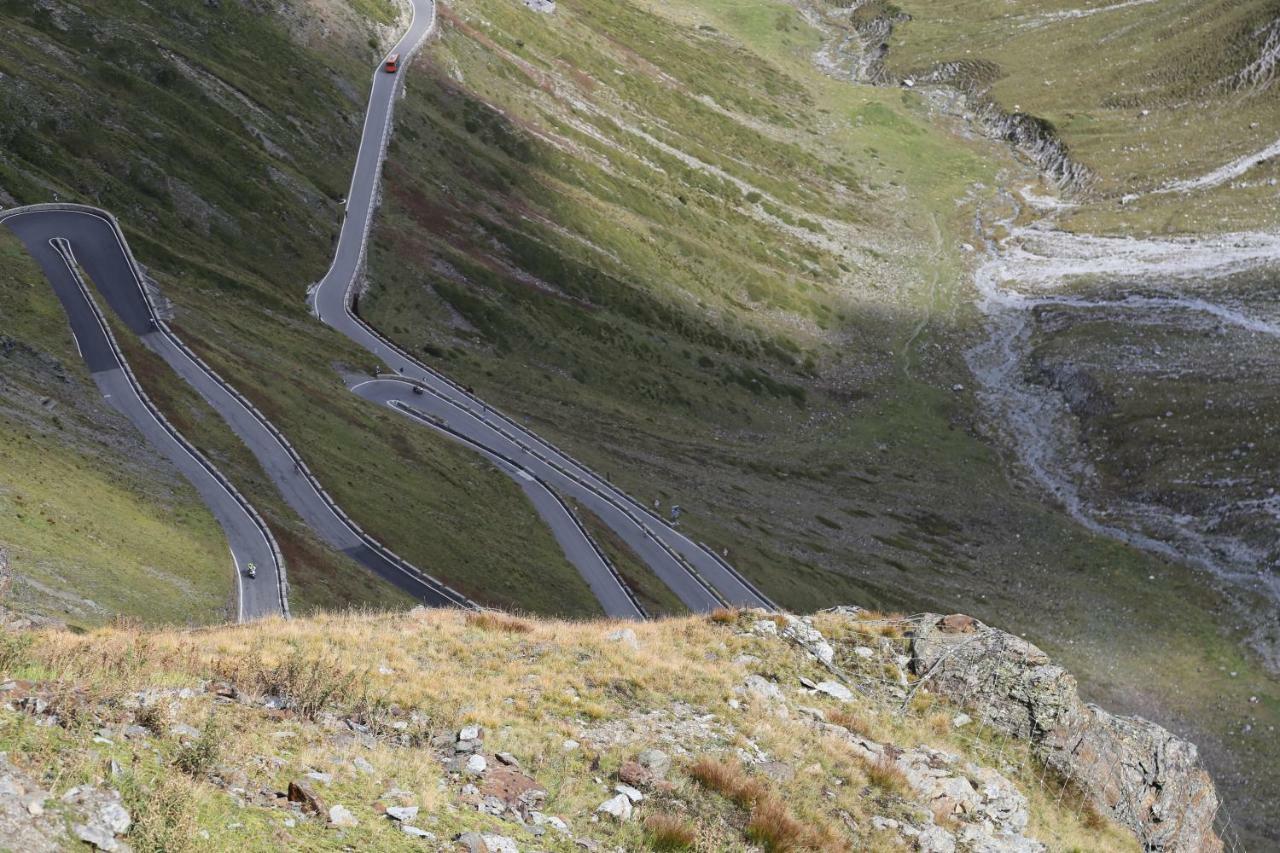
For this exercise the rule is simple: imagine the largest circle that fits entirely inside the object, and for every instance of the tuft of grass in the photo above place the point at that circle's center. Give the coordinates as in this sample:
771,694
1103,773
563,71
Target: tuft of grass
850,720
774,827
667,831
496,620
727,778
884,774
723,615
771,823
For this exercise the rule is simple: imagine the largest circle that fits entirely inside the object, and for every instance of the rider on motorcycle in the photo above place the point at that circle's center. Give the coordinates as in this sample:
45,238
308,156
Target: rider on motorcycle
253,570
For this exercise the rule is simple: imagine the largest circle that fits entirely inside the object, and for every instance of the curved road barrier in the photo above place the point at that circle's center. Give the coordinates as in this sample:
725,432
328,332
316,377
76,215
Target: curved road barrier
52,236
700,578
100,247
596,568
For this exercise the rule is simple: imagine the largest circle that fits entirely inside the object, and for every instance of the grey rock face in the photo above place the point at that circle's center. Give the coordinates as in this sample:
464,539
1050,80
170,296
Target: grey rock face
655,761
761,688
1133,770
618,808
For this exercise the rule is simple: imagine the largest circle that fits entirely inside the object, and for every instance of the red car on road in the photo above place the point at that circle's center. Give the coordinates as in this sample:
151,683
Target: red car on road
393,63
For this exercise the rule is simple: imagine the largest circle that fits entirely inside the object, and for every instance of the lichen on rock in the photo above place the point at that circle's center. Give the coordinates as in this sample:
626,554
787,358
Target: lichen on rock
1131,769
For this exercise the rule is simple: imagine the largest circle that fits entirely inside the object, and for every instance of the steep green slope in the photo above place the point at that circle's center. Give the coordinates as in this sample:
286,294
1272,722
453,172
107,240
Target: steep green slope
735,284
668,247
222,136
1143,94
91,523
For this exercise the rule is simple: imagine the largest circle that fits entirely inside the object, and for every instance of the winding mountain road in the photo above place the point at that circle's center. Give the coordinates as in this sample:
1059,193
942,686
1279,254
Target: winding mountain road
65,242
695,574
65,239
98,247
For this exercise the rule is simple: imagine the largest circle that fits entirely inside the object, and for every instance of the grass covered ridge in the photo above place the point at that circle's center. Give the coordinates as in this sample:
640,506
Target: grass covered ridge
1137,111
92,522
211,132
739,771
733,283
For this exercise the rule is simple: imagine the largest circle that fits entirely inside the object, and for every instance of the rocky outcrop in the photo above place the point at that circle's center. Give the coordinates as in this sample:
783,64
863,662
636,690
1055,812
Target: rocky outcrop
856,45
33,820
1080,389
1032,135
1131,769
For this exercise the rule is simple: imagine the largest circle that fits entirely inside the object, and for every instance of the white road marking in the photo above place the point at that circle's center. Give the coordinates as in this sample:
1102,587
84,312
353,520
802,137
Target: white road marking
239,588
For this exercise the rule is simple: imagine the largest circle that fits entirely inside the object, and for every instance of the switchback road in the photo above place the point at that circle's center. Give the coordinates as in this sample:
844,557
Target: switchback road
695,574
66,242
65,239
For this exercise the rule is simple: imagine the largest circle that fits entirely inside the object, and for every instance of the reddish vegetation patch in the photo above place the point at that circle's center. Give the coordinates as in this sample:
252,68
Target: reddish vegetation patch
512,787
641,64
538,78
584,81
432,215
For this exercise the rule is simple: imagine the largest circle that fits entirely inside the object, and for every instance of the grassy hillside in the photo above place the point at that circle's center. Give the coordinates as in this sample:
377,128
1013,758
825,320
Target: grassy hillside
365,712
221,136
657,232
736,284
667,266
91,522
1142,93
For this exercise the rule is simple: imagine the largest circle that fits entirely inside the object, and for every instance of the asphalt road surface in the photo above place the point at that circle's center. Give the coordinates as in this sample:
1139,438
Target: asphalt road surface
63,239
65,242
614,596
698,577
103,256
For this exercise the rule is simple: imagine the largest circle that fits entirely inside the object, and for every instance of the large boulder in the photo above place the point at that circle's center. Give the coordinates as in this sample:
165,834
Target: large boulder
1133,770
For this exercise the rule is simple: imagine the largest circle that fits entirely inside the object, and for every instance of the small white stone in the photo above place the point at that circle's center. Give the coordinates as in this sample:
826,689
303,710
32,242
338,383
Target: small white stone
629,792
500,843
618,808
469,733
761,687
476,764
863,652
569,745
340,815
402,813
835,690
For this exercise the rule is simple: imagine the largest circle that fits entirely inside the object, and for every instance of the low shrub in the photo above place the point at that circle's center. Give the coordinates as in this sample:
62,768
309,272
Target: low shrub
494,620
670,832
198,757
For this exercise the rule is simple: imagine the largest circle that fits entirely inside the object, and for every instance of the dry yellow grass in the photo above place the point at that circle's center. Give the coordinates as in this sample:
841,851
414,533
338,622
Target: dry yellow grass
774,827
494,620
850,720
885,775
531,685
670,832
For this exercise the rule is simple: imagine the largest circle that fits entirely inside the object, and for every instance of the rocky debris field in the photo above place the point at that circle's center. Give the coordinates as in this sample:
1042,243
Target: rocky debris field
486,732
